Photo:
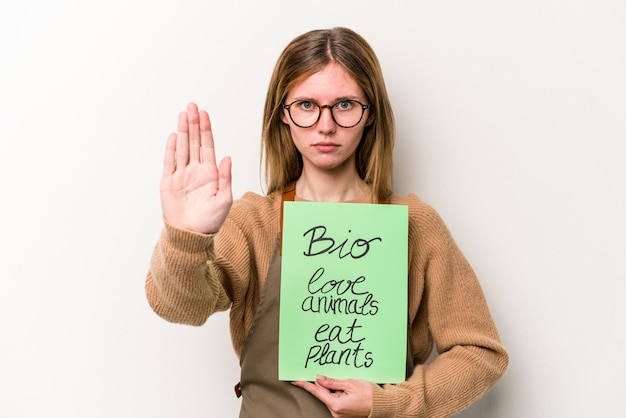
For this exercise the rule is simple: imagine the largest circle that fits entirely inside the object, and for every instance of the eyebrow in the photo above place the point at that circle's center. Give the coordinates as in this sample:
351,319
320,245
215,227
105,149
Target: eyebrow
336,100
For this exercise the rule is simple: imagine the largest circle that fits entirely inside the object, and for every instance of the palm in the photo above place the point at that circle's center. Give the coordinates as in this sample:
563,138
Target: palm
195,193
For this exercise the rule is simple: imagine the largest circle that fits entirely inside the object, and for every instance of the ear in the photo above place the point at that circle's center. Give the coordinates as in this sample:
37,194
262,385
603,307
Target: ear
370,118
283,116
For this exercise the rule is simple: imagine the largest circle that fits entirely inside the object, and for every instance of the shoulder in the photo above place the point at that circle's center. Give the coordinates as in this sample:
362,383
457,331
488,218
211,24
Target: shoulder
252,200
424,220
255,209
418,209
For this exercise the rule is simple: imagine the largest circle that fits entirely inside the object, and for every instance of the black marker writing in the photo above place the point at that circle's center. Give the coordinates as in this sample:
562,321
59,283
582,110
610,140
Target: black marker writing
319,244
338,296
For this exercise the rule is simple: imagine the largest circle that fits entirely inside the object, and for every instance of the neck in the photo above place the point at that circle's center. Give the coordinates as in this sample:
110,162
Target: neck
330,188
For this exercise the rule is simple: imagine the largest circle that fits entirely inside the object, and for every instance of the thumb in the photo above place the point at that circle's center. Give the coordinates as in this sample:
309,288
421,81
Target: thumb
331,384
225,177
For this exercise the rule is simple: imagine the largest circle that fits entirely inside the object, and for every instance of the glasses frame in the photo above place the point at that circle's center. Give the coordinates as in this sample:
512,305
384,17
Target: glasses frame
330,108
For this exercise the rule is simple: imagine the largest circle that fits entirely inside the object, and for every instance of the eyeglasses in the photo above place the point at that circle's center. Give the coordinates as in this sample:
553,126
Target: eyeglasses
345,113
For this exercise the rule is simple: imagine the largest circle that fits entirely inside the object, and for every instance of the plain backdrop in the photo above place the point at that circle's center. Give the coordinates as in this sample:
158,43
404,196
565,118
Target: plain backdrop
511,122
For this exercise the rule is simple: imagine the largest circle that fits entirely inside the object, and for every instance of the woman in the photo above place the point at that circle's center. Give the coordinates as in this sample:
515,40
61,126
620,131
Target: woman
328,136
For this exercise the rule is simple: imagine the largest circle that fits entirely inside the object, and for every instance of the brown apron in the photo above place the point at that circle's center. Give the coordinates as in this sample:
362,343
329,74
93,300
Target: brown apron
263,395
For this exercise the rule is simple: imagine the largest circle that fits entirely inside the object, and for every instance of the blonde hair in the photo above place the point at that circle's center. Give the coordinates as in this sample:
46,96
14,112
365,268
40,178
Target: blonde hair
304,56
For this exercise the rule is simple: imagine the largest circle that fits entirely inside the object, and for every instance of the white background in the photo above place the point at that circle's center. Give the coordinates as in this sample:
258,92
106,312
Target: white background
511,122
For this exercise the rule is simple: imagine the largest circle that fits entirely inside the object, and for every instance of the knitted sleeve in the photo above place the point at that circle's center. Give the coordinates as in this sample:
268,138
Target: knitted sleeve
181,286
192,276
447,307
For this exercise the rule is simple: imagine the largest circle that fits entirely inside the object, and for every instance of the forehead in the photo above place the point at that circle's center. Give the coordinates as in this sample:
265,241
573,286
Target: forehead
330,83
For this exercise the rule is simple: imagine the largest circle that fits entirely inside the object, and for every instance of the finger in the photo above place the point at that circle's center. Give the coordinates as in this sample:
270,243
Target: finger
206,139
332,384
319,392
194,132
169,162
182,141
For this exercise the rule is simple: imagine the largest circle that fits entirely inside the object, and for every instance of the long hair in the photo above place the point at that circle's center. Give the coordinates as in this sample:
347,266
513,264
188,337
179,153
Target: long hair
304,56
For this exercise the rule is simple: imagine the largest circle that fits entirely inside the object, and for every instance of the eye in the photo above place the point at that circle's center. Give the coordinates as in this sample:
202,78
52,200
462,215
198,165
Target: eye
306,105
344,105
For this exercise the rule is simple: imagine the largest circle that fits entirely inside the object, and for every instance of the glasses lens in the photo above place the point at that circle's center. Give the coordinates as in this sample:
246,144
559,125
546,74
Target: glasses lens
347,113
304,113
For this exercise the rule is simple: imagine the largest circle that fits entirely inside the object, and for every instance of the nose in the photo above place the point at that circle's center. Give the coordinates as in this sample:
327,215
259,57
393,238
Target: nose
326,123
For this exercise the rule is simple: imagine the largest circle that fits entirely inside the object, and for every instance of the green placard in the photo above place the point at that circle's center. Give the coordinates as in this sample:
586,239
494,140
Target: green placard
343,295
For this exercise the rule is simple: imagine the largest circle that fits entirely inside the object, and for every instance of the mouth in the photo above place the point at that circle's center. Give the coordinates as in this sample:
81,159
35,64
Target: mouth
325,146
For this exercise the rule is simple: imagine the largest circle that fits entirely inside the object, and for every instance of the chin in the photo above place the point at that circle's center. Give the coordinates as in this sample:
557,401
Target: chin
328,162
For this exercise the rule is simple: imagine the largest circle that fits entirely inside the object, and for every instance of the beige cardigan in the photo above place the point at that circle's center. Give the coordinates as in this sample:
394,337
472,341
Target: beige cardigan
193,275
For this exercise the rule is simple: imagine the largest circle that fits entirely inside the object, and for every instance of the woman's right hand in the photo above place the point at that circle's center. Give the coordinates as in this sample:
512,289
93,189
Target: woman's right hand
196,194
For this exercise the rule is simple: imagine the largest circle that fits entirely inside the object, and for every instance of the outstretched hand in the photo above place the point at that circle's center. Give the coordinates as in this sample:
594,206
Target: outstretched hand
343,398
196,193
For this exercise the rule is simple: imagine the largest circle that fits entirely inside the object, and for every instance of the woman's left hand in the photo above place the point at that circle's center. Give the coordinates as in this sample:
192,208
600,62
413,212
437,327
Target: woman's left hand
344,398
